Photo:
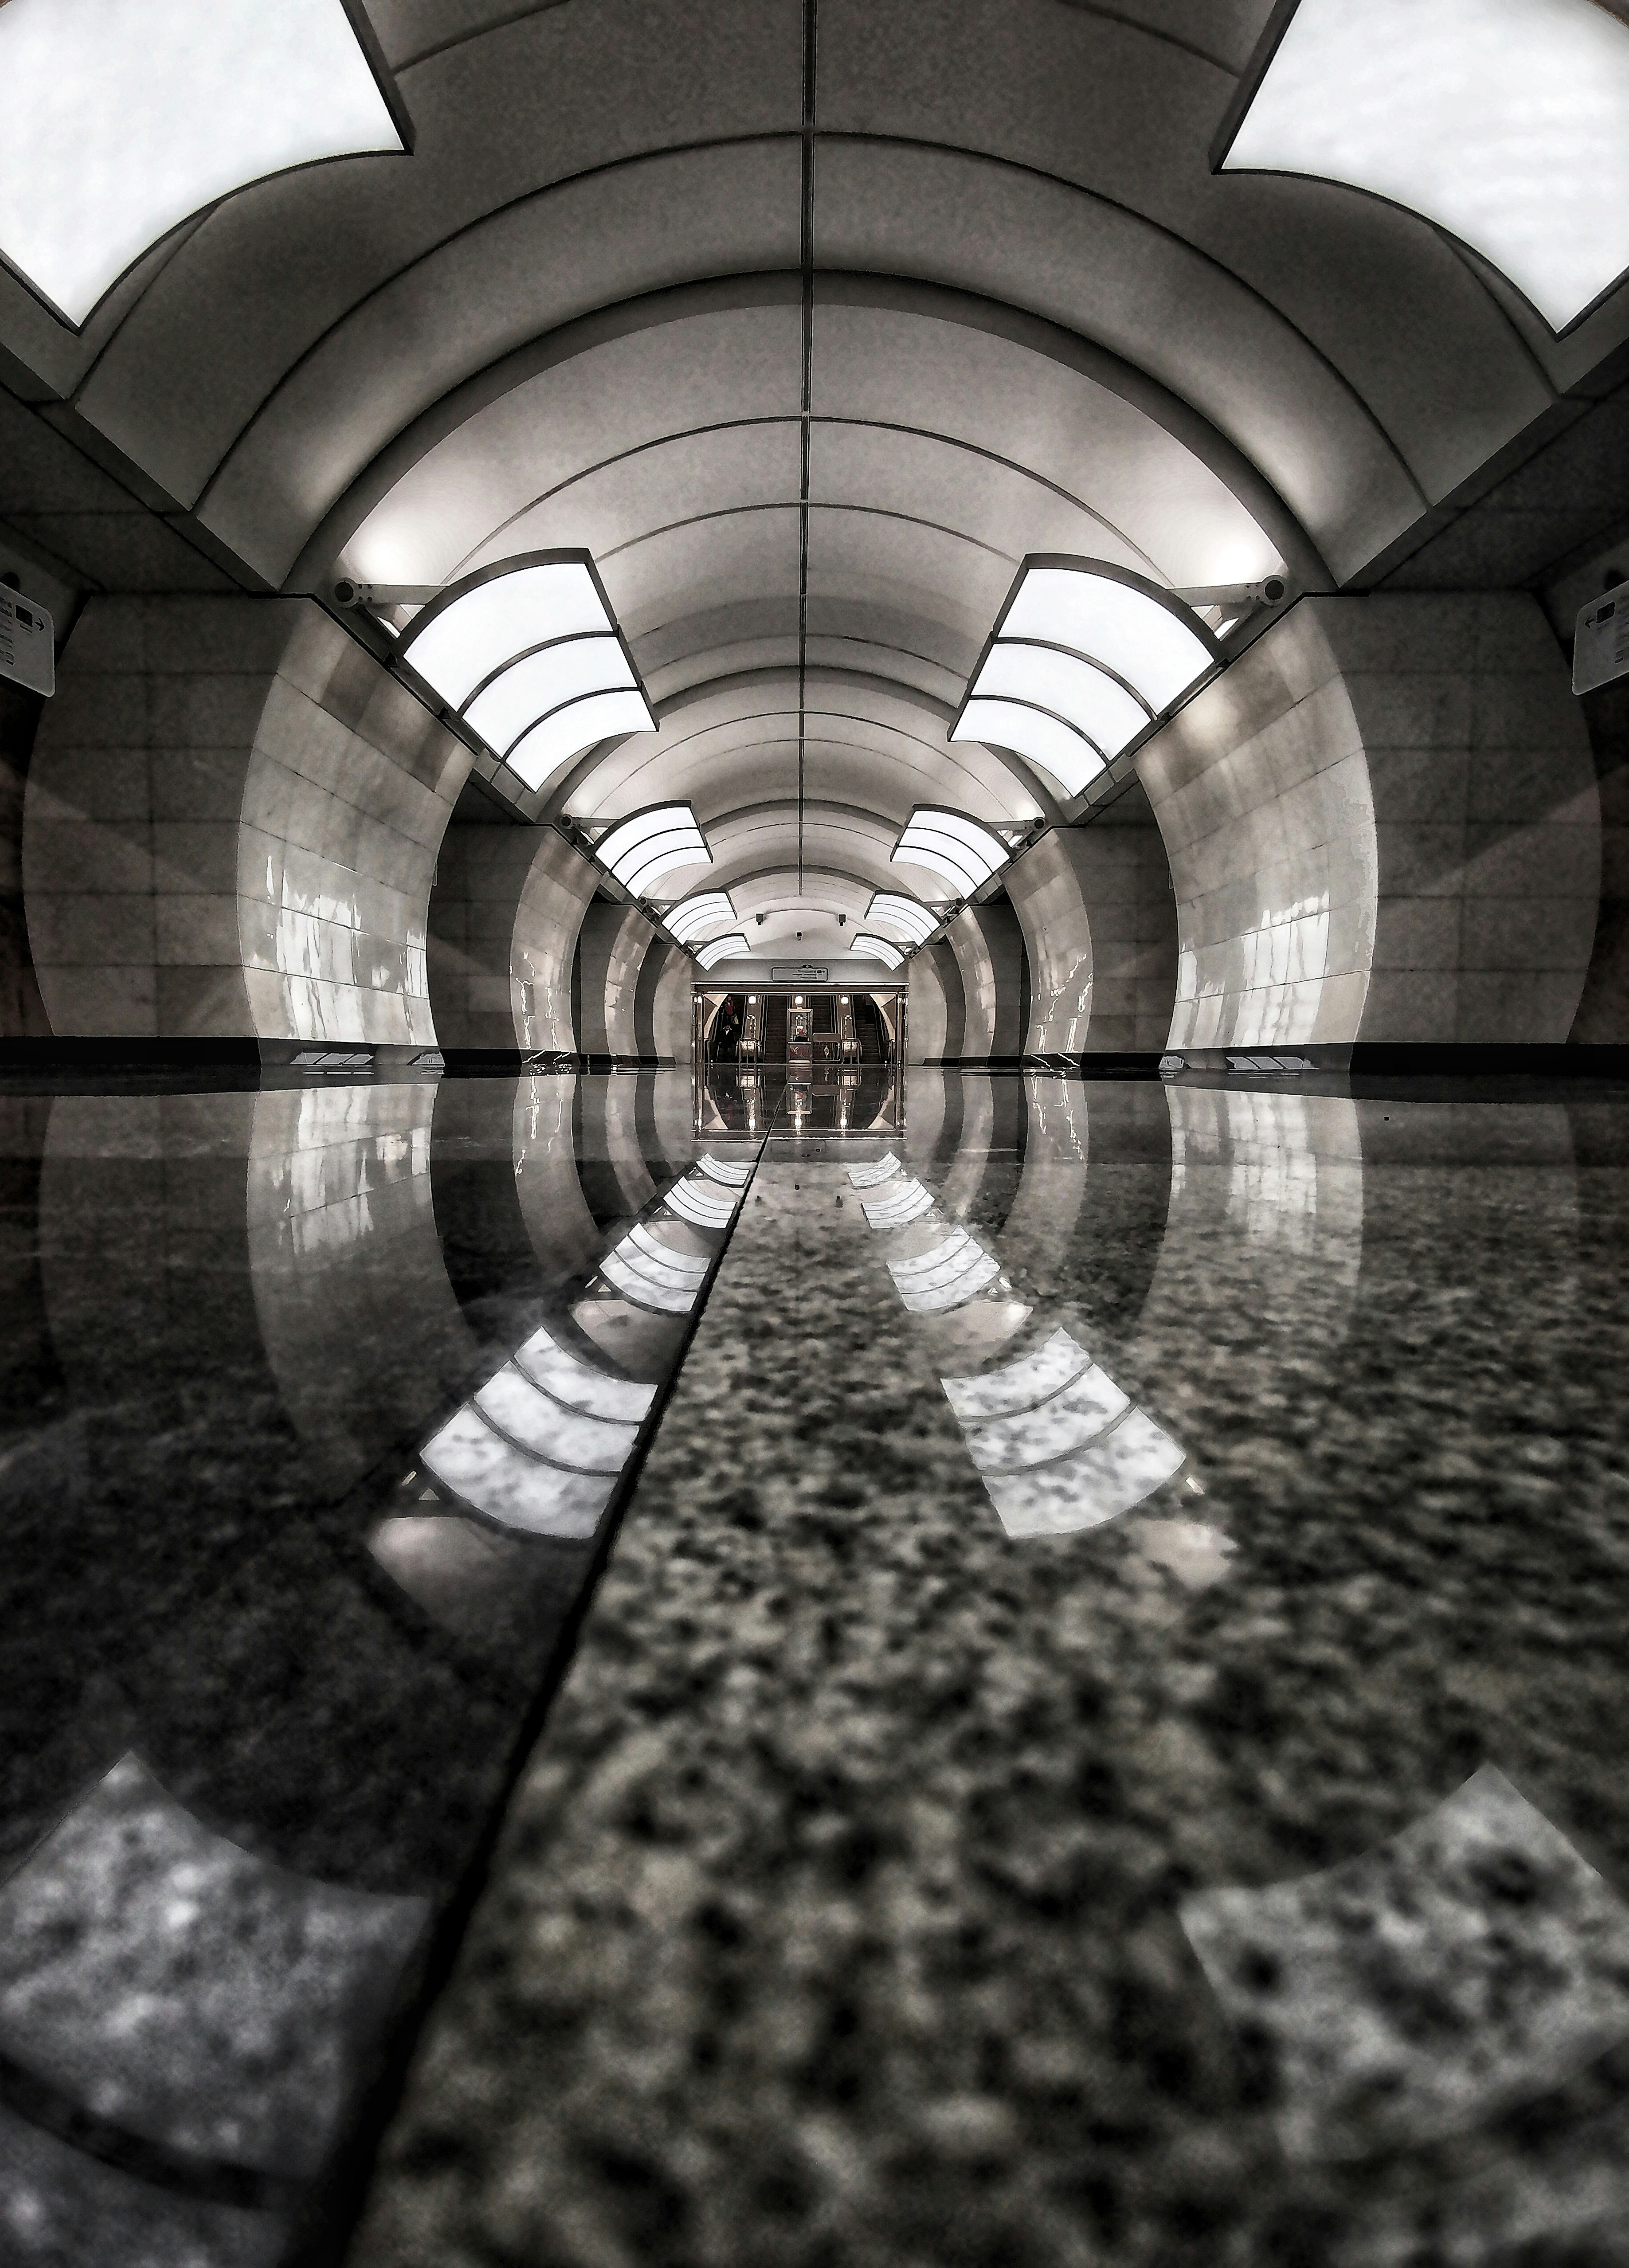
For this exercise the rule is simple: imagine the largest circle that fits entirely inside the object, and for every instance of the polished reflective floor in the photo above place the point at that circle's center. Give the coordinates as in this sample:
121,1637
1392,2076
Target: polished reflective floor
1101,1737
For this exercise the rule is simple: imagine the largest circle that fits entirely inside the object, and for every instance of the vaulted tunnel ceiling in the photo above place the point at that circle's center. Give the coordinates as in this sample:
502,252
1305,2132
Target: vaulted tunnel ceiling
807,397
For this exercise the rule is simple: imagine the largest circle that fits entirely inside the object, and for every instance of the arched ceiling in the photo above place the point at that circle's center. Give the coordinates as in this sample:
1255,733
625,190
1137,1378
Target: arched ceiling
809,397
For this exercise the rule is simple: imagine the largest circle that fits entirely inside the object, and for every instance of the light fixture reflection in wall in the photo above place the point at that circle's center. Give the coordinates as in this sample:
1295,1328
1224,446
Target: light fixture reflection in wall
917,921
688,919
949,842
877,948
1504,122
1084,657
530,656
125,117
640,849
733,947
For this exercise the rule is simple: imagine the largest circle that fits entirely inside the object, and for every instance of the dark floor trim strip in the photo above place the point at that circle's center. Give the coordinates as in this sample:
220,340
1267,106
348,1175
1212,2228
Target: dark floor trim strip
331,2209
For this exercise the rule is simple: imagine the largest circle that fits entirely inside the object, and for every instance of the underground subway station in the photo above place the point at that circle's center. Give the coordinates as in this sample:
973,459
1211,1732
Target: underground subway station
815,1134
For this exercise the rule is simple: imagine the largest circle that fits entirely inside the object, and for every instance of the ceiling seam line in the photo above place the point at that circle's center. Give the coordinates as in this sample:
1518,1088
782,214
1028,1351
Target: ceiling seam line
866,424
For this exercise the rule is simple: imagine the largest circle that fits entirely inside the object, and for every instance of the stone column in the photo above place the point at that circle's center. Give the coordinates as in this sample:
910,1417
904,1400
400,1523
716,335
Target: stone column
505,914
1099,920
1383,825
611,946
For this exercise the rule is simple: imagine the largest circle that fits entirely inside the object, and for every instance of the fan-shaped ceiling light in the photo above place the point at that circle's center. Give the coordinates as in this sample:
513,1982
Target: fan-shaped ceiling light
916,921
1084,657
1505,122
639,851
123,117
687,922
733,947
949,842
529,654
866,948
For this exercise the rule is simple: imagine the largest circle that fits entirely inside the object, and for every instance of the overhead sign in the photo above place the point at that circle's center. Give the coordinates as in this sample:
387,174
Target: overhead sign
799,972
1601,642
27,643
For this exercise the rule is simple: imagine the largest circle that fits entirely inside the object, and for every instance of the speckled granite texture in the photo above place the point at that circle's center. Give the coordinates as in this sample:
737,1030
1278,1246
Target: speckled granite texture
837,1920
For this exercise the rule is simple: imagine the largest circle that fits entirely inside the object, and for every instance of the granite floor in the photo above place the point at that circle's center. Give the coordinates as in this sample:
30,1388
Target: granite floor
599,1678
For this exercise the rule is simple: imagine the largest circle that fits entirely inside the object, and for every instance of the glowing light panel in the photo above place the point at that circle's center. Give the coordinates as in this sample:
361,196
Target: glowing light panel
903,914
733,947
124,117
553,741
877,948
652,842
1505,122
1103,649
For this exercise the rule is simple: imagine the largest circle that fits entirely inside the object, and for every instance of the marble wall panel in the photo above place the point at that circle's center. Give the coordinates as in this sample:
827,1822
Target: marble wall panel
1099,919
1603,1016
359,1322
988,945
925,1010
255,804
505,911
1383,825
671,1022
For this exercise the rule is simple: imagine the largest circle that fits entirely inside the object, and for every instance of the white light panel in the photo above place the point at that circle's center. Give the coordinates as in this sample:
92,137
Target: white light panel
529,689
123,117
458,642
538,755
1122,626
1506,121
666,860
733,947
687,920
877,948
917,921
949,843
1046,741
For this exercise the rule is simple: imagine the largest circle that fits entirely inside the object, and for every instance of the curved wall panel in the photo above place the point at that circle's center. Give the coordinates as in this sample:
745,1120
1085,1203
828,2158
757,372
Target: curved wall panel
1383,825
1099,922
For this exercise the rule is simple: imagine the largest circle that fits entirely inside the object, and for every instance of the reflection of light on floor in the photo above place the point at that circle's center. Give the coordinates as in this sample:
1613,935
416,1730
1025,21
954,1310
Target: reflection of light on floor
937,1281
540,1447
872,1177
653,1274
734,1173
907,1202
1057,1443
1468,1964
186,1991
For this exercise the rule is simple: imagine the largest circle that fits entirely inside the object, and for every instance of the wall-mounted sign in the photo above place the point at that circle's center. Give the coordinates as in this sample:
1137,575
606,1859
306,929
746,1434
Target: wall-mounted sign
1601,642
27,643
799,972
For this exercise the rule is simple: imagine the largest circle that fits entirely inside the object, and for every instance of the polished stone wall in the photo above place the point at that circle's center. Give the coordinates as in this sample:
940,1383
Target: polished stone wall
610,951
505,914
1099,922
22,1012
231,820
1383,824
